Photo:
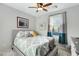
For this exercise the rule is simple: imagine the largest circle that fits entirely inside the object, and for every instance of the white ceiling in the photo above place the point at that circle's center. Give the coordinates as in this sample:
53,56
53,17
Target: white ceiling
24,7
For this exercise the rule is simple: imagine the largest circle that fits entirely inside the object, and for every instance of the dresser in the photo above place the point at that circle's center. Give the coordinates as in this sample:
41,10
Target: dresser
75,46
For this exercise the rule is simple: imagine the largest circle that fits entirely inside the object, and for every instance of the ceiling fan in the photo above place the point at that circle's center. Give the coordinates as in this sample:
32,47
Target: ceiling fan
41,6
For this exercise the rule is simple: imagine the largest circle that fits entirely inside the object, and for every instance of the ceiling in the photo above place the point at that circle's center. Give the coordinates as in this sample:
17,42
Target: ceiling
24,7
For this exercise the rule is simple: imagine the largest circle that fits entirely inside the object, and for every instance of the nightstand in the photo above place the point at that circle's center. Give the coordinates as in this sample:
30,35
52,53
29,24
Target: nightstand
63,50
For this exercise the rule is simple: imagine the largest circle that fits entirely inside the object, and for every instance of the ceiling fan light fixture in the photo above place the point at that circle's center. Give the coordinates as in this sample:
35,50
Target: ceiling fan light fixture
40,9
41,6
45,7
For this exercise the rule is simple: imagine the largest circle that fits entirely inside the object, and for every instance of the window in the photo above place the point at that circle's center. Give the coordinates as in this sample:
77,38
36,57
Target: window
57,27
56,23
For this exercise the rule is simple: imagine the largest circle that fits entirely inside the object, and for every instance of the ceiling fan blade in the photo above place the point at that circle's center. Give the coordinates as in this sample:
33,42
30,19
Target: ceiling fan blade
48,4
45,9
32,7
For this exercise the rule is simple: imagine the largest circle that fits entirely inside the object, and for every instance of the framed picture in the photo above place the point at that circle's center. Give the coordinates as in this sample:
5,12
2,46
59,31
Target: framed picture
22,22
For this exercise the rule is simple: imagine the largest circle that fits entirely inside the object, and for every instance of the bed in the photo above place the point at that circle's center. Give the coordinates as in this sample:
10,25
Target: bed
32,46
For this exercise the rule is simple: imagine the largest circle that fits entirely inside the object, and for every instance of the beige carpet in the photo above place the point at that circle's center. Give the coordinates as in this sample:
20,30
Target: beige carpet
10,53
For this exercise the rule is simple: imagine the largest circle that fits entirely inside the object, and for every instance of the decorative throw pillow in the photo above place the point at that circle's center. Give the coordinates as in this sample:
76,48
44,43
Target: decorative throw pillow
20,34
27,33
30,35
34,33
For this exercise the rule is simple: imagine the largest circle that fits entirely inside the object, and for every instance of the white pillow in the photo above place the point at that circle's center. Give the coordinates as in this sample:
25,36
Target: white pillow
28,34
20,34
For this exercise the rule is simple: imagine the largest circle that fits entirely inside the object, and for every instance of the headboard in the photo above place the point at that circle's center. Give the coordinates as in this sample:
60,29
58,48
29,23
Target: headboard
15,31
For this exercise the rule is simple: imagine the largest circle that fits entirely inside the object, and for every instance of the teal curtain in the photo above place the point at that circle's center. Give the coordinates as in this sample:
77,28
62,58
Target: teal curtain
62,36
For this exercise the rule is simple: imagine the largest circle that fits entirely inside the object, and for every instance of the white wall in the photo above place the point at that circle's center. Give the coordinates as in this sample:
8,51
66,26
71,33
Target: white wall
8,22
72,22
42,20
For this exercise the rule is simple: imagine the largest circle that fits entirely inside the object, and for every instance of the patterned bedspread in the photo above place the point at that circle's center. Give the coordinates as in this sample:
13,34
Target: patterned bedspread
33,46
